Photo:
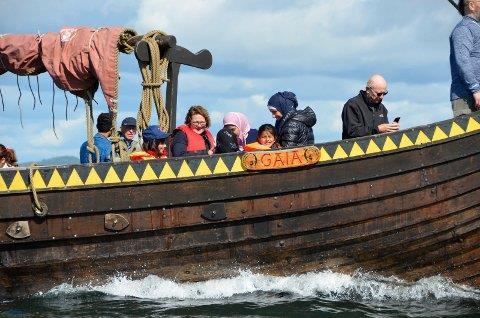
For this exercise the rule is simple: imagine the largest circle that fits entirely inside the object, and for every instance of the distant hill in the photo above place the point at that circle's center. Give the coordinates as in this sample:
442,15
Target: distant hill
54,161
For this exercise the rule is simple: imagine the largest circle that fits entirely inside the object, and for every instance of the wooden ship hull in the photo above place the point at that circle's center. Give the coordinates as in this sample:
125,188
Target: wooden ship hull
404,204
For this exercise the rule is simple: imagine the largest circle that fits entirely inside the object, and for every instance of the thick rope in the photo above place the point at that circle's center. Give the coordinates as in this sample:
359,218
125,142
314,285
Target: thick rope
154,75
92,149
37,207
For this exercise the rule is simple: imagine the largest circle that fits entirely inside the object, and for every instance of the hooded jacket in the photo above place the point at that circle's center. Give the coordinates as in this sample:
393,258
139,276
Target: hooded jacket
295,128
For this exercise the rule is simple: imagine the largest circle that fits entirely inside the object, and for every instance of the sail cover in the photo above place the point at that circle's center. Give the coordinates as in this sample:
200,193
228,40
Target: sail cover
77,58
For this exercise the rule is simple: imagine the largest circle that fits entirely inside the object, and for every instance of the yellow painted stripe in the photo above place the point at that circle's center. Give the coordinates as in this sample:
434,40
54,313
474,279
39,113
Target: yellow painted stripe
456,130
3,185
130,175
472,125
203,169
185,170
74,179
220,167
439,134
18,183
111,177
389,144
237,165
356,151
55,180
167,172
372,147
340,153
421,138
38,181
324,156
405,142
93,178
149,174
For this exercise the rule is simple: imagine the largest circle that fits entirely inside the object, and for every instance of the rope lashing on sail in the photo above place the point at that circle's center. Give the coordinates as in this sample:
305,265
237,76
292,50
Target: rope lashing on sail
154,74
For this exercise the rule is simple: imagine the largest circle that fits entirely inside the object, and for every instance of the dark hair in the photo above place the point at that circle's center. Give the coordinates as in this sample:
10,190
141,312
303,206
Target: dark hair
9,155
152,145
197,110
104,122
268,128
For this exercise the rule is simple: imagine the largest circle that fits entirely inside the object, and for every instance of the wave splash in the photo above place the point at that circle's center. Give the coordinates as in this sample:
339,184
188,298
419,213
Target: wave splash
325,283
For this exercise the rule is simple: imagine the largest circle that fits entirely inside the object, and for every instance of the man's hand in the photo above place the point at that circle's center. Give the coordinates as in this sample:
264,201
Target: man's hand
476,97
387,128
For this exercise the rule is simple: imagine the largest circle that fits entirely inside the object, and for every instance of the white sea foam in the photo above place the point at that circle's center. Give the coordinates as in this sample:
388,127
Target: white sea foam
326,284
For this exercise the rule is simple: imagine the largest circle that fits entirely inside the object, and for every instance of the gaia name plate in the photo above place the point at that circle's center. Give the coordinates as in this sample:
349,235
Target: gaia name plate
281,159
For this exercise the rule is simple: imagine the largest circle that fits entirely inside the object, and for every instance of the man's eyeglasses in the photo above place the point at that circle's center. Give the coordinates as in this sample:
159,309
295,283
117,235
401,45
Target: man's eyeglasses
378,94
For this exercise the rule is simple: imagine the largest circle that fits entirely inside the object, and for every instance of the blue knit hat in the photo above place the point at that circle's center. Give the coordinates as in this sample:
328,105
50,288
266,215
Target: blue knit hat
154,133
284,102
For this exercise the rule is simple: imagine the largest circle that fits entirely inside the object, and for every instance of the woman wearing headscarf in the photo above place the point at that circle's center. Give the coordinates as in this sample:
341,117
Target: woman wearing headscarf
293,126
232,137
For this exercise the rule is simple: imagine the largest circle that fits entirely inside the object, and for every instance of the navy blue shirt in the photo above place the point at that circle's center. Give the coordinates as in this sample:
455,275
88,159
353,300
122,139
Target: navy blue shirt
104,148
465,58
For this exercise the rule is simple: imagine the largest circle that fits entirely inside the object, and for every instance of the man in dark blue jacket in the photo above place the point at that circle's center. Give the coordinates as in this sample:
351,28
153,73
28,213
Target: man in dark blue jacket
364,114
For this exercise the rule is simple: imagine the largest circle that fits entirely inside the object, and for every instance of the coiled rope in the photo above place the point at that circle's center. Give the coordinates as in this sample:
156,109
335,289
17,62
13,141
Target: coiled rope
154,74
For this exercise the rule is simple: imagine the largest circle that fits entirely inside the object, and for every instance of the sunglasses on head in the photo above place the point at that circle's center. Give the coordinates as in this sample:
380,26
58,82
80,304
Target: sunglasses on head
378,94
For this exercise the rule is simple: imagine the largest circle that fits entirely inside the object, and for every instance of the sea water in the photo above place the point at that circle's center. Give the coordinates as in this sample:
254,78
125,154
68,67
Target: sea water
316,294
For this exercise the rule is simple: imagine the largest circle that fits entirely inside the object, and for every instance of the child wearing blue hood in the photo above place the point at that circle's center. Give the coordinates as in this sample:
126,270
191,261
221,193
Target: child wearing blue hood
293,126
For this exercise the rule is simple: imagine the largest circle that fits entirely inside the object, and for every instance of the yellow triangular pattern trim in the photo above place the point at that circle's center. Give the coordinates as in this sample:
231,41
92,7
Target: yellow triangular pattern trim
185,170
74,179
149,174
372,147
38,181
405,142
389,144
112,176
340,153
3,185
356,151
421,138
456,130
130,175
237,165
93,178
439,134
324,156
56,181
220,167
167,172
18,183
472,125
203,169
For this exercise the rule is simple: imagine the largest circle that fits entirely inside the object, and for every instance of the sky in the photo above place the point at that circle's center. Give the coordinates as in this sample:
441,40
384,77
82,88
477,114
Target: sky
323,51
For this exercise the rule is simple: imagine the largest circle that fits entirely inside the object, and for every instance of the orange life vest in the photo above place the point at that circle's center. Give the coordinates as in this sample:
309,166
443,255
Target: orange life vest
254,146
195,142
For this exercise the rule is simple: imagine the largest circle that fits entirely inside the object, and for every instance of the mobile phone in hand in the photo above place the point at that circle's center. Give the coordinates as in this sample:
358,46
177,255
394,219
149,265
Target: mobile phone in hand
397,119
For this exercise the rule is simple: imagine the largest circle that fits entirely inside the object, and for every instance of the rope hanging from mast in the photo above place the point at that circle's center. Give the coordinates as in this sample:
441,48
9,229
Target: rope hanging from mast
154,74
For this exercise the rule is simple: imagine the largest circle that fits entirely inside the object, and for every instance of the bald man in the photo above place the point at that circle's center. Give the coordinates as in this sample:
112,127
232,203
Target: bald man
465,60
364,114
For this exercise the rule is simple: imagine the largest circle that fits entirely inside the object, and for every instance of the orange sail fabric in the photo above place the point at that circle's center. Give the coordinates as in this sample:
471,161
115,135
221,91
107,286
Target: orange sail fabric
21,54
77,59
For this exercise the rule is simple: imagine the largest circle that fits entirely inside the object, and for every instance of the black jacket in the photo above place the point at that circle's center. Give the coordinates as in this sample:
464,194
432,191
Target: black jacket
226,141
295,128
361,118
